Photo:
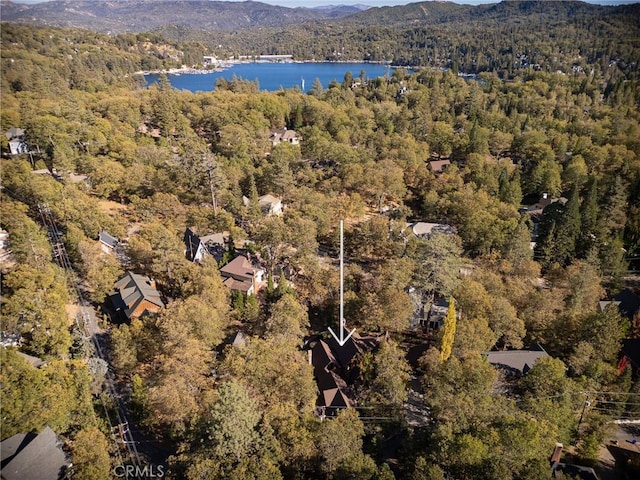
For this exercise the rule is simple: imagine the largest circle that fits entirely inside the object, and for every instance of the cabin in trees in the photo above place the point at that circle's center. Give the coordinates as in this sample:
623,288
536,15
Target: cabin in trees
27,455
516,362
535,211
17,143
136,295
426,229
335,369
429,312
241,275
439,166
628,304
269,204
283,135
197,248
108,243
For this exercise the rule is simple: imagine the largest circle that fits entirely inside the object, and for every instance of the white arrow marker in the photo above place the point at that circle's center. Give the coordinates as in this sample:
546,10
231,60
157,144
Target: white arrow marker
341,341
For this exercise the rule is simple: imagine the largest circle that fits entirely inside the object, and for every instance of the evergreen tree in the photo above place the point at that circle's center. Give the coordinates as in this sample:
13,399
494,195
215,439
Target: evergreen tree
90,451
270,287
503,185
232,423
544,250
253,208
316,88
568,230
614,216
589,217
509,190
283,286
251,310
165,107
297,120
237,301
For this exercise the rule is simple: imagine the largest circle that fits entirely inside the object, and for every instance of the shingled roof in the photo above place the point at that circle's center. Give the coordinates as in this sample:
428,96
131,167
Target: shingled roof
331,363
516,362
29,456
132,290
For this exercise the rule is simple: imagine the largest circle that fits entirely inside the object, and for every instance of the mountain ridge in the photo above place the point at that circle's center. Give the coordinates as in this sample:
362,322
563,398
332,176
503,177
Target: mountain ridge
135,16
117,16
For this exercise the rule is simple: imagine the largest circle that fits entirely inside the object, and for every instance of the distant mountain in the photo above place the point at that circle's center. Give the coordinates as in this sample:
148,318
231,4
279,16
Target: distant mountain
118,16
336,11
438,13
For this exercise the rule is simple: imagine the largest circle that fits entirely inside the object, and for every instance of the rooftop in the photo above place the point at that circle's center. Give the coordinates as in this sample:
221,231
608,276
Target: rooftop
27,456
516,361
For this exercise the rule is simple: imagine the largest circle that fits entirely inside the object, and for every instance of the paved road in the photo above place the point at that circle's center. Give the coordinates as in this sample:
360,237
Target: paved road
149,450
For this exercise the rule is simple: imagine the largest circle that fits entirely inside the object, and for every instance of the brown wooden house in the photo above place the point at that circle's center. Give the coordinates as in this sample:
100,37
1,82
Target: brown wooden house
136,295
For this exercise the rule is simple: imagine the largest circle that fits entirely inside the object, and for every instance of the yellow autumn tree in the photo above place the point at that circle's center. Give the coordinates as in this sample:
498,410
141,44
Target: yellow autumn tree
449,331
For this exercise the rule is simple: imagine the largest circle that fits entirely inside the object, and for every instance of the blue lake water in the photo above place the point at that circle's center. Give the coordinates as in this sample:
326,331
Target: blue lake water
273,76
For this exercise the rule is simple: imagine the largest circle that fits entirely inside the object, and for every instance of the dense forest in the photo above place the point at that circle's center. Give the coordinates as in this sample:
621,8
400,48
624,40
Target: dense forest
157,161
508,38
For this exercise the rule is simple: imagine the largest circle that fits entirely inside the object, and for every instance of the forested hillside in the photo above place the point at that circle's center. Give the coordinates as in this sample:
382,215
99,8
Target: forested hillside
158,161
136,16
508,38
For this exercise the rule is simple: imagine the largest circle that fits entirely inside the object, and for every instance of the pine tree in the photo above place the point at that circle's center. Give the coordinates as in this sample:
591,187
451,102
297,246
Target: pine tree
568,230
283,286
316,88
510,191
589,215
165,106
544,250
614,212
449,332
297,120
515,189
503,185
254,212
270,287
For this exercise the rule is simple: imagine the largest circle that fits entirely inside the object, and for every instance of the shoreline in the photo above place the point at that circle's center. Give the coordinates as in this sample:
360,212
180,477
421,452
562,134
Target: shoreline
230,63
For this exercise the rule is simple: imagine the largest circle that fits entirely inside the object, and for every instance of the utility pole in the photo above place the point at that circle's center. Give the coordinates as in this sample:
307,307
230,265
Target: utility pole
587,403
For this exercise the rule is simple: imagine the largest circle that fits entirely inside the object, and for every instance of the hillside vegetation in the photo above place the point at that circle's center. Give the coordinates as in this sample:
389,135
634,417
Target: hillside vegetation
507,38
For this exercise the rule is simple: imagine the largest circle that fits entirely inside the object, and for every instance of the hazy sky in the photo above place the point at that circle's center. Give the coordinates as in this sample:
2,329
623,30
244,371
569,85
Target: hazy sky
380,3
374,3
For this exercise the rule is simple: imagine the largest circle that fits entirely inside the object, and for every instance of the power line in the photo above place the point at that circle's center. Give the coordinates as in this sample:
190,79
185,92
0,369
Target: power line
62,259
60,253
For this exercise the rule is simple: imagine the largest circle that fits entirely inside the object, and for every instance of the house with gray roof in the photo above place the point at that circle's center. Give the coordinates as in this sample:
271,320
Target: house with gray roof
27,456
269,204
284,135
426,229
136,295
108,243
17,144
198,247
516,362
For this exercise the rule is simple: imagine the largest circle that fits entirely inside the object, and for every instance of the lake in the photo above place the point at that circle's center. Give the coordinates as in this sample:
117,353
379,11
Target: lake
273,76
